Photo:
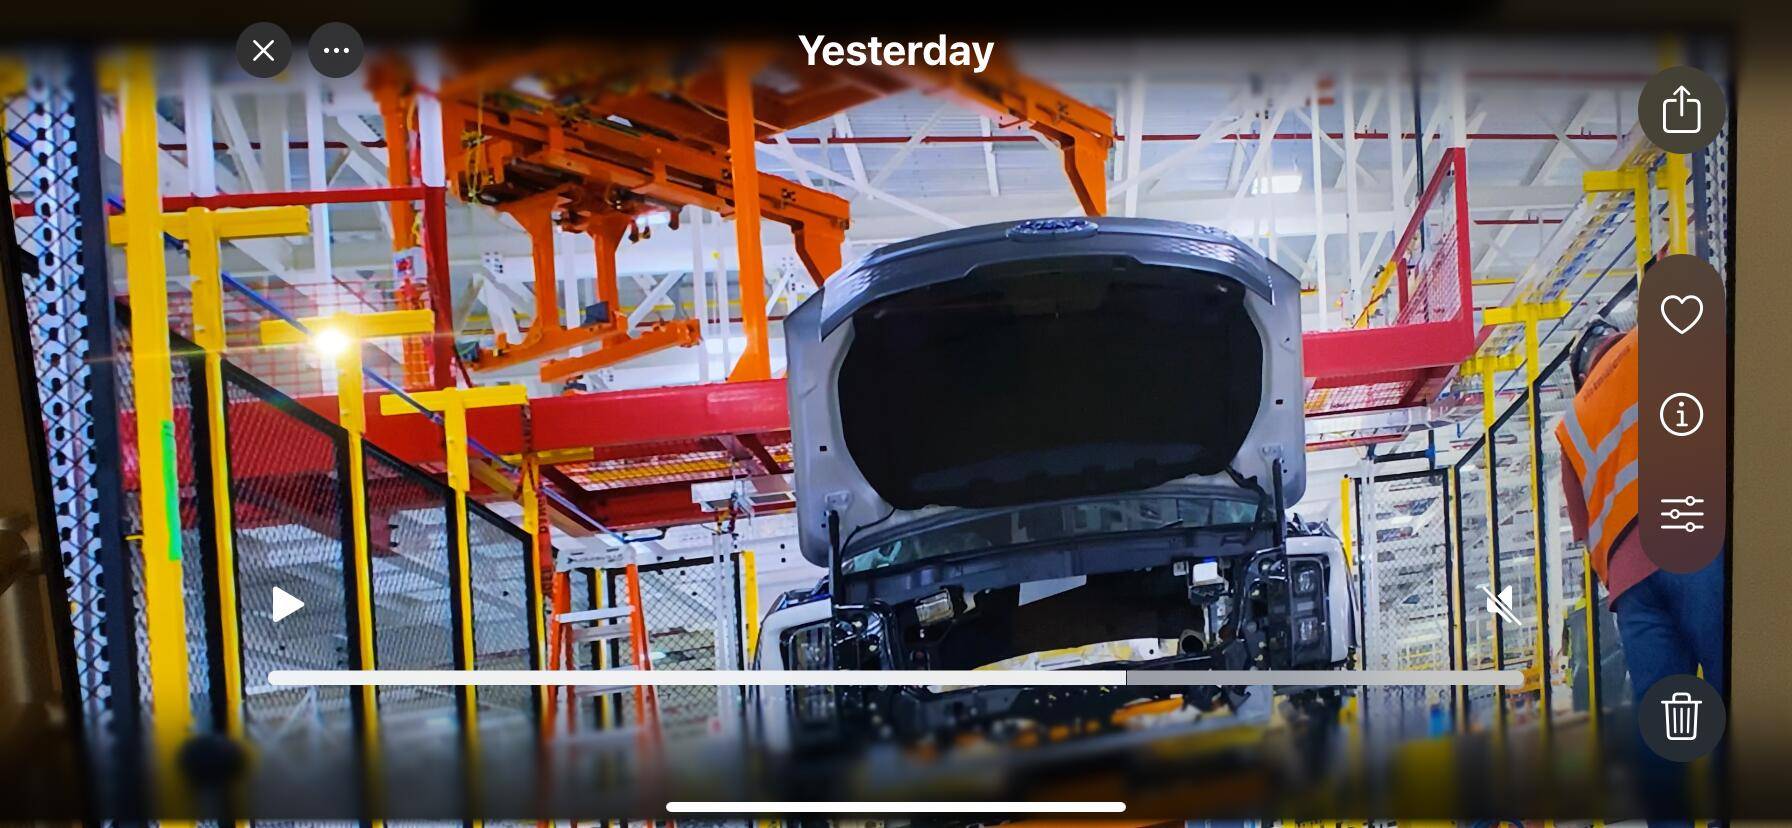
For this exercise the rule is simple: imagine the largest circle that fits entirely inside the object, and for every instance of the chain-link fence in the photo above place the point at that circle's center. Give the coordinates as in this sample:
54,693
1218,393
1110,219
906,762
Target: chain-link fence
503,632
51,168
687,604
1406,591
1480,703
1542,577
1515,540
294,370
289,513
412,589
504,638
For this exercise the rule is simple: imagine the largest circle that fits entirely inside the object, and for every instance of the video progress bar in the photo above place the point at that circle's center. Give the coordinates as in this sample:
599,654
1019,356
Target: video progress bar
893,678
852,807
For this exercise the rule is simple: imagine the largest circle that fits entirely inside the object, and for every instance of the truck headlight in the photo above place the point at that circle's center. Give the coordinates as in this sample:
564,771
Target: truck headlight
1306,631
811,647
1309,626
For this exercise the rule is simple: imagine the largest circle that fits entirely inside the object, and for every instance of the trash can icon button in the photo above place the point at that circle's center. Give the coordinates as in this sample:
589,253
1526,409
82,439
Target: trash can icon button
1682,717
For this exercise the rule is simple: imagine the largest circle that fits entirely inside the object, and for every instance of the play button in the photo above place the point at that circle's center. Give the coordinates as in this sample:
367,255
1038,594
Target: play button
285,604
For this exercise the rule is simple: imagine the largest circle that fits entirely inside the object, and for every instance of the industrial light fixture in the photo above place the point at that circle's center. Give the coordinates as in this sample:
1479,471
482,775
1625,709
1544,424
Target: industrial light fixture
331,342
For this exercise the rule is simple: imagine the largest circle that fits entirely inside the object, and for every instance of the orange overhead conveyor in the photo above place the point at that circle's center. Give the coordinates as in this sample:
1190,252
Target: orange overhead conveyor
590,140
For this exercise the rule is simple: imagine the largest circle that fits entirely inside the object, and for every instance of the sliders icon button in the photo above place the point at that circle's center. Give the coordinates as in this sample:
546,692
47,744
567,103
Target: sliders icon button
1676,513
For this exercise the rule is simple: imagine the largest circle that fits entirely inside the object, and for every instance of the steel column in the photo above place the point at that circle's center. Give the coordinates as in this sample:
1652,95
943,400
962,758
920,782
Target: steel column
737,80
163,591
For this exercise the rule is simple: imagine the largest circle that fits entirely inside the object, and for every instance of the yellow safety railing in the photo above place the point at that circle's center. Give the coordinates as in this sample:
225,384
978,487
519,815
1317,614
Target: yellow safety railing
204,230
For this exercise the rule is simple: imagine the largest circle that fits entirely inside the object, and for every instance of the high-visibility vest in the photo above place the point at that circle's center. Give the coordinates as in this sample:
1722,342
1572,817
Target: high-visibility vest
1598,436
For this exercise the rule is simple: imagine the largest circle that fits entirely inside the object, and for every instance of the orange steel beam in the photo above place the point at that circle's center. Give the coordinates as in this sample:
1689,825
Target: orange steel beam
536,215
678,333
394,87
389,79
1082,132
512,146
738,67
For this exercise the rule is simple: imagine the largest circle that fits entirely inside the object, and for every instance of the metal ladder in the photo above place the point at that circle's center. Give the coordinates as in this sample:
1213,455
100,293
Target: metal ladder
601,626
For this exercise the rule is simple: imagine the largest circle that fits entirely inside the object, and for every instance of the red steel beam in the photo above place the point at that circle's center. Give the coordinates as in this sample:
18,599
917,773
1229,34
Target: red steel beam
610,418
1336,358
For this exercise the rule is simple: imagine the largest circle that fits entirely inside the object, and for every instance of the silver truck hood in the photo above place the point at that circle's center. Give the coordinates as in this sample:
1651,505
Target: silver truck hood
1032,361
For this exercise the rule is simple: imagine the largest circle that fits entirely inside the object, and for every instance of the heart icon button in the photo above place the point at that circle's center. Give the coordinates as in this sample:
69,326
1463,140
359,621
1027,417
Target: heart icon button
1682,312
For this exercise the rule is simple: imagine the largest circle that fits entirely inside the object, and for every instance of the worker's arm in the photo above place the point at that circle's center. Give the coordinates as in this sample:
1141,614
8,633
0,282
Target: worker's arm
1577,507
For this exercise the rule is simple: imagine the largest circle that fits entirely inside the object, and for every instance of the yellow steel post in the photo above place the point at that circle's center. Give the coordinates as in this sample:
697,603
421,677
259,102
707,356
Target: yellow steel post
1635,181
12,82
1488,368
540,548
1676,172
749,601
1590,588
1530,315
1344,521
164,597
1670,53
341,335
203,231
1458,628
452,404
12,76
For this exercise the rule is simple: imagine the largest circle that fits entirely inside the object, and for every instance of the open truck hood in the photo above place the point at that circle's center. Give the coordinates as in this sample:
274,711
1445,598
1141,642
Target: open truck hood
1025,362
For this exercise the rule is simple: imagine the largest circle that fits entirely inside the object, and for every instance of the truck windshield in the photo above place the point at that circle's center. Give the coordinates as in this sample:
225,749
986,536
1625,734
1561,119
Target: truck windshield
1054,521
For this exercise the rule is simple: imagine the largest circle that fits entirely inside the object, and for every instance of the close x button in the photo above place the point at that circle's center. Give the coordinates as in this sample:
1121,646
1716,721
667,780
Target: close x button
263,49
1682,413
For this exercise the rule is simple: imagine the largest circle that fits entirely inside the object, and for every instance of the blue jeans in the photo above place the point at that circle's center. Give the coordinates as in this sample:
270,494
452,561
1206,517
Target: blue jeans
1671,624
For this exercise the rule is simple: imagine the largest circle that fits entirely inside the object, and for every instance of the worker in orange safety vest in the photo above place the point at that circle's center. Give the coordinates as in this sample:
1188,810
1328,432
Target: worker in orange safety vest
1669,623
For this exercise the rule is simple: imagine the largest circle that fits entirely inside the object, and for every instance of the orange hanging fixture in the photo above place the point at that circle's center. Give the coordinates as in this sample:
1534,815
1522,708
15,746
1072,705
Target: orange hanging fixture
600,138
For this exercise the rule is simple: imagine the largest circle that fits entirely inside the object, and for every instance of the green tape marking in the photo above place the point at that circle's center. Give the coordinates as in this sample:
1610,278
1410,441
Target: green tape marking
171,489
